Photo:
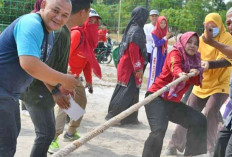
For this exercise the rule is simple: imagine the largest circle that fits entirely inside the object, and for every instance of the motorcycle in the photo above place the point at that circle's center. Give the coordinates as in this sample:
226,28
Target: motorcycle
103,52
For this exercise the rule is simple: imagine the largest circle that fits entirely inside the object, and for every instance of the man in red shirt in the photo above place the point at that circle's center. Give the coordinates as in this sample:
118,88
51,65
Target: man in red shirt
102,33
102,37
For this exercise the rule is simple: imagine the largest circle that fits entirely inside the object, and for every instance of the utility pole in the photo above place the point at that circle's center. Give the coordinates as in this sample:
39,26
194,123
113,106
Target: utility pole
119,17
147,4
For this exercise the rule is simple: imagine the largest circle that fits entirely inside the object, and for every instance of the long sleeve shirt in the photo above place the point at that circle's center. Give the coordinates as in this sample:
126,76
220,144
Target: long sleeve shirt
148,28
131,62
172,67
77,61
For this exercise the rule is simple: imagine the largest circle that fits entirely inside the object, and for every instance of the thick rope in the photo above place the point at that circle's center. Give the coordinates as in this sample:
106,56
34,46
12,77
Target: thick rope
100,129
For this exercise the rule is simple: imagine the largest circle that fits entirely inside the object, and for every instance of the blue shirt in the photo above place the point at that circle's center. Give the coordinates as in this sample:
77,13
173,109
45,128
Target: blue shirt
25,36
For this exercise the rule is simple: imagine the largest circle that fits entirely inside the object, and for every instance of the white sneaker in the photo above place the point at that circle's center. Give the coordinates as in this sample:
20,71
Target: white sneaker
25,113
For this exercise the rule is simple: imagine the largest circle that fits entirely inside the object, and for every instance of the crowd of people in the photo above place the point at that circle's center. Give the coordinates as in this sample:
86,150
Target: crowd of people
43,53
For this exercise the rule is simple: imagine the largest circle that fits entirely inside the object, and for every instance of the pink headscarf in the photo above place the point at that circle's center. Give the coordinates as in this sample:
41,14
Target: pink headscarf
160,33
189,62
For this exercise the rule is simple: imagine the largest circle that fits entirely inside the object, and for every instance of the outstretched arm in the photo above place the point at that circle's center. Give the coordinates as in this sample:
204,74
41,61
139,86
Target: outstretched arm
208,39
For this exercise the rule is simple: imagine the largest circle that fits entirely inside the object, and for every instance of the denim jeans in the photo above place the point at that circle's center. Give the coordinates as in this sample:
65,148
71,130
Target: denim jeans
10,126
44,123
160,112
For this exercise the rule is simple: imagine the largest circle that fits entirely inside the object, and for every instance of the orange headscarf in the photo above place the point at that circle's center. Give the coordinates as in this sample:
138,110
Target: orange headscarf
214,80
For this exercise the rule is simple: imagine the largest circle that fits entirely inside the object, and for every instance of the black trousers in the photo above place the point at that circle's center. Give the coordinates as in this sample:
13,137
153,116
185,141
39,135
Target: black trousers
122,99
224,143
160,112
148,60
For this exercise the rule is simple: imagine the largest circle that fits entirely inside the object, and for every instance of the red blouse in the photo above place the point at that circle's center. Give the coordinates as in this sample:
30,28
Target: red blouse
172,67
131,61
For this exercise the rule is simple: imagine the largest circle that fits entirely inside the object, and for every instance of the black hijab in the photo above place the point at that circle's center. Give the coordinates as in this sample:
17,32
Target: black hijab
134,32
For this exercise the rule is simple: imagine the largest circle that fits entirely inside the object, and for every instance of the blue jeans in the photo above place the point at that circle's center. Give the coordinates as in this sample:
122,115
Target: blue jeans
44,123
9,126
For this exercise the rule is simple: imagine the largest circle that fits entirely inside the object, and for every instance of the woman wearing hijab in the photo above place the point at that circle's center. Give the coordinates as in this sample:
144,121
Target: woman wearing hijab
214,90
160,37
183,59
132,55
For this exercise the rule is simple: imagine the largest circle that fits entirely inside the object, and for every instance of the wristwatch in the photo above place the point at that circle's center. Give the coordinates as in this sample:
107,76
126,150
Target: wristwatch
56,89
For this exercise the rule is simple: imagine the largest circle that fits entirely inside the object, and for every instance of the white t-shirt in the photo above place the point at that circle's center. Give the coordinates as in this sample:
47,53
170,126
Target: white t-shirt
148,28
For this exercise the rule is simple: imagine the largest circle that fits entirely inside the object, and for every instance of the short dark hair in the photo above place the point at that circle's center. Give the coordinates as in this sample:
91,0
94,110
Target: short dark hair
78,5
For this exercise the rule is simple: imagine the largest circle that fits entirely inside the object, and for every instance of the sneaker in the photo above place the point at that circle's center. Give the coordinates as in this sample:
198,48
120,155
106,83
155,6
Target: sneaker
170,151
25,113
69,138
54,146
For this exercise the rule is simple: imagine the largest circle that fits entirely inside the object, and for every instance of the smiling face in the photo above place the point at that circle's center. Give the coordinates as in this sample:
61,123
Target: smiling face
55,13
191,46
229,22
153,18
163,24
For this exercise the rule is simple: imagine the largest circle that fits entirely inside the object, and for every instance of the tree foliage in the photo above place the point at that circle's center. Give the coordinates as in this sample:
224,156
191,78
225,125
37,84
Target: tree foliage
179,20
164,4
182,15
12,9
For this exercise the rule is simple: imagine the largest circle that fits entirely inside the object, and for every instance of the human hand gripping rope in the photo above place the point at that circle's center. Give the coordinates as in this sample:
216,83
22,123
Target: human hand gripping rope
100,129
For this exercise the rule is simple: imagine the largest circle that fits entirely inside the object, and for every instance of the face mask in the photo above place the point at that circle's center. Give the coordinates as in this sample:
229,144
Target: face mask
215,31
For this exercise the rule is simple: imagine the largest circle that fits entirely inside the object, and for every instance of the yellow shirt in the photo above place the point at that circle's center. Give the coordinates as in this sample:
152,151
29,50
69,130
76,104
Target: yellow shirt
214,80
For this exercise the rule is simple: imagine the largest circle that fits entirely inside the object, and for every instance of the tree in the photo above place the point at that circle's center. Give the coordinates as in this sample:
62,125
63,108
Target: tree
198,9
220,5
223,16
111,19
164,4
228,5
126,10
110,2
12,9
179,20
